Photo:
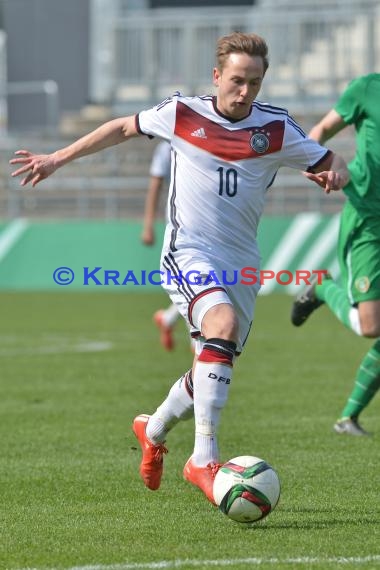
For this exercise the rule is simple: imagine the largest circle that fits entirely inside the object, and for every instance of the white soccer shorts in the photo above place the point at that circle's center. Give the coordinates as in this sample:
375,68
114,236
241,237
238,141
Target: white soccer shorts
197,281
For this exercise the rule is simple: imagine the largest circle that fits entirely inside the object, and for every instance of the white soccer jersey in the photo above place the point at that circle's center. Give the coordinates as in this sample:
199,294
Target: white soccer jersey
160,165
221,169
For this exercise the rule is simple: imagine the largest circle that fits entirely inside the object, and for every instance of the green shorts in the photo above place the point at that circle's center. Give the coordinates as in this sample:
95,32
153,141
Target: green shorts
359,254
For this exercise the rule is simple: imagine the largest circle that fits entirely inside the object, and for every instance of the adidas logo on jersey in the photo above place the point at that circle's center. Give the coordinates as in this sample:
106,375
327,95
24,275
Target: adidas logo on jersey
200,133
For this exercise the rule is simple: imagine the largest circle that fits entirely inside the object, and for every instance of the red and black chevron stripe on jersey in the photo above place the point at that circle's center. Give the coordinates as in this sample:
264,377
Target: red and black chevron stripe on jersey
223,143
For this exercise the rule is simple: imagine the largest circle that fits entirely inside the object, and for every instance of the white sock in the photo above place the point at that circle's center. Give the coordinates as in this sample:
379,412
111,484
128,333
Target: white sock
177,406
353,317
170,315
211,384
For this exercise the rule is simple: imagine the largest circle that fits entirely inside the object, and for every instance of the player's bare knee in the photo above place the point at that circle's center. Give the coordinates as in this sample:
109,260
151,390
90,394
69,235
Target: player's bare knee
221,322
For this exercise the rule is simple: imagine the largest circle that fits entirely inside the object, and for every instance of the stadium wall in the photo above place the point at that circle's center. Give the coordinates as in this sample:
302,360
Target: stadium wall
95,255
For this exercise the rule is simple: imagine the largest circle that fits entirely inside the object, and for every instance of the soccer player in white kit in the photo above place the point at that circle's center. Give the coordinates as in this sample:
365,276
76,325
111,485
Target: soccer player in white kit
159,172
226,152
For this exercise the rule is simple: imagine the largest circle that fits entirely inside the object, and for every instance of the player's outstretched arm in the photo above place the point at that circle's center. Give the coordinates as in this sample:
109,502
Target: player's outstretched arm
37,167
331,124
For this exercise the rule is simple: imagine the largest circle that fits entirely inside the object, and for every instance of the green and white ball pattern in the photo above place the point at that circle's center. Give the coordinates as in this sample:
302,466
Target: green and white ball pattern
246,489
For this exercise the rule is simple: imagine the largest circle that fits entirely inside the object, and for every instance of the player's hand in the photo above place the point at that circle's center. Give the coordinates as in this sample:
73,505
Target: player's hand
329,180
37,167
147,236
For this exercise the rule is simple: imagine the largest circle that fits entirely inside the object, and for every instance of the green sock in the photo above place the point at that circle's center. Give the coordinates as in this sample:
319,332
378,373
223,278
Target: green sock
367,383
335,297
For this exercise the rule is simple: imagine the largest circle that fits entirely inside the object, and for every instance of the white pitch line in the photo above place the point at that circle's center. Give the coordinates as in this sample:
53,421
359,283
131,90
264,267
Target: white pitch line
10,235
95,346
169,564
288,246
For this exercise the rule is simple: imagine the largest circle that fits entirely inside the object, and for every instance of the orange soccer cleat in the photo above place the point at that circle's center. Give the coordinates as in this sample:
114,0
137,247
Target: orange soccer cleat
202,477
152,462
166,331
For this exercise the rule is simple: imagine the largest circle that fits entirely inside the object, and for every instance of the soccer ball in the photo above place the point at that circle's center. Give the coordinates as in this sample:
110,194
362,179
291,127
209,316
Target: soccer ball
246,489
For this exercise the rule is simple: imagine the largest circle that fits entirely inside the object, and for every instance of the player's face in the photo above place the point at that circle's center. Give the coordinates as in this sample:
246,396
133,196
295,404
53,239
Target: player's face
238,84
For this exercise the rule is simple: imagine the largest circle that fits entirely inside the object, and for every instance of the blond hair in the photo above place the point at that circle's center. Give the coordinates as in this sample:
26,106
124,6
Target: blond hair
238,42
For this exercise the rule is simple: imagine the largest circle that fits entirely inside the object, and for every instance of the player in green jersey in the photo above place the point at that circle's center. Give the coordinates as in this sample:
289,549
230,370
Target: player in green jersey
356,301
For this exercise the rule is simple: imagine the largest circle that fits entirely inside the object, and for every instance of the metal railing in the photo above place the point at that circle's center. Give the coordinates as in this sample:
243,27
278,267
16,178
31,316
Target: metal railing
112,185
314,50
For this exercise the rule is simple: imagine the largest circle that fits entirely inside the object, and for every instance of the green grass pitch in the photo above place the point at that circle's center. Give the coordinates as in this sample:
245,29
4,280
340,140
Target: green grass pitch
74,371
